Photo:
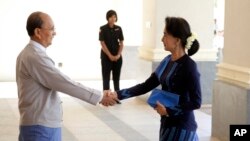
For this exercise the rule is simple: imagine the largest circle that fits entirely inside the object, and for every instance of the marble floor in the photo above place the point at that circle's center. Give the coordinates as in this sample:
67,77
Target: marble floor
133,120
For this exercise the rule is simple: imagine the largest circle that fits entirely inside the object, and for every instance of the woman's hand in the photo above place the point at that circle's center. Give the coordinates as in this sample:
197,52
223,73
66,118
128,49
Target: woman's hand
161,109
117,57
112,58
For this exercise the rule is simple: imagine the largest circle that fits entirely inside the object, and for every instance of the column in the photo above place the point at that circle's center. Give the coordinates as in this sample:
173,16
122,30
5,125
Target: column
231,95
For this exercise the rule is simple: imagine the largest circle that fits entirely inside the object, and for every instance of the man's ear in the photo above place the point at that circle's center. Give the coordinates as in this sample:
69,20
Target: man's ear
37,33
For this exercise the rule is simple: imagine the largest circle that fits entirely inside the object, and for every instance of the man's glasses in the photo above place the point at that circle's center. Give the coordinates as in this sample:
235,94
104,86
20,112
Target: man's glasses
50,29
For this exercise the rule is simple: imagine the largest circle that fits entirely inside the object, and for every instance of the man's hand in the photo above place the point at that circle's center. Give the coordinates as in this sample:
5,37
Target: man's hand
115,97
109,98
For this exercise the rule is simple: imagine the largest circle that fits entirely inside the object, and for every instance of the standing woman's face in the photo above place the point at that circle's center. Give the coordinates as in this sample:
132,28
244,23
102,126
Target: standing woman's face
112,19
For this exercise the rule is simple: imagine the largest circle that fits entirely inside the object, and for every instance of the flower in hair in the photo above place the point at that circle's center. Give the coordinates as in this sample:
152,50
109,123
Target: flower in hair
190,41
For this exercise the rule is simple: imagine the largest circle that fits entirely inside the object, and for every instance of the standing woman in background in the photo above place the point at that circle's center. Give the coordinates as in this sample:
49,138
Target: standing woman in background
111,39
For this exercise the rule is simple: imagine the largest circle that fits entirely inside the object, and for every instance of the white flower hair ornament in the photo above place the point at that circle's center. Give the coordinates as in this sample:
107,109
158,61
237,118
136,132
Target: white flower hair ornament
190,41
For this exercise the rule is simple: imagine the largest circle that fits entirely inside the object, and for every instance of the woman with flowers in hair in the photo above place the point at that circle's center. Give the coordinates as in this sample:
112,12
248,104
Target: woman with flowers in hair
178,74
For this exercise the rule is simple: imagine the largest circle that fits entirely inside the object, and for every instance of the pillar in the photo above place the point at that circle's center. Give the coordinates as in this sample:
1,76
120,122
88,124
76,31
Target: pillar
231,95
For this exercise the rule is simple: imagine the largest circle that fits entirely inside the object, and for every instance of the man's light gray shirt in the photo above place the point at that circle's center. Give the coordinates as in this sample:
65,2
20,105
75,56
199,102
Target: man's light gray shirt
38,81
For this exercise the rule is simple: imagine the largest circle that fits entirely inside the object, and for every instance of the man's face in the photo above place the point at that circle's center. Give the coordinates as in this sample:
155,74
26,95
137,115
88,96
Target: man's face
47,31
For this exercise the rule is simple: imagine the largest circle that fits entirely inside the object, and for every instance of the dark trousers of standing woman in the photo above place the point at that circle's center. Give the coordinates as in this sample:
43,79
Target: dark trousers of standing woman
108,67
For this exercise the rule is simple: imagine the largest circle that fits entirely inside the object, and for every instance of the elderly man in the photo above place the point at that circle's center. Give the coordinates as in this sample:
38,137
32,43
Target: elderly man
38,81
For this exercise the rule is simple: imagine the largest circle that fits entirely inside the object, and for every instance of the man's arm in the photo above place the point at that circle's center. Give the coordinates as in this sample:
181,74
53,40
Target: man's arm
42,69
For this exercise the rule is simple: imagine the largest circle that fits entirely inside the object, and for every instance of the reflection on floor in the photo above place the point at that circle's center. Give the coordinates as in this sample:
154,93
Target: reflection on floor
133,120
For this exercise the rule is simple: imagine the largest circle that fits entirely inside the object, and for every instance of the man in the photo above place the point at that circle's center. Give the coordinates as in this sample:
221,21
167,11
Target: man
38,81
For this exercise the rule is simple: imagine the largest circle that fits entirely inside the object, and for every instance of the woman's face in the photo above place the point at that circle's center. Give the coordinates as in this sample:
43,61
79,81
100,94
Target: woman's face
169,42
112,19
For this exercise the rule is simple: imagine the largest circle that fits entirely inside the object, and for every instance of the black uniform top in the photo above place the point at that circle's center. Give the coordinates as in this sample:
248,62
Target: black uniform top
111,37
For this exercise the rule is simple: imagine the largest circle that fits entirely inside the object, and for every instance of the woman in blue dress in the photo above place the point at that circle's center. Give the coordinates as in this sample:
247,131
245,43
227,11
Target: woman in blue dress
177,73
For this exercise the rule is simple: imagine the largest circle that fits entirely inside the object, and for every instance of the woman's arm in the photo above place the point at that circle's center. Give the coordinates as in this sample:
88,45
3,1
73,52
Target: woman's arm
194,90
120,50
139,89
106,51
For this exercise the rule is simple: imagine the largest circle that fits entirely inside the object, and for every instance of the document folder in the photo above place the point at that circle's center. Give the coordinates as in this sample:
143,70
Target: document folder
166,98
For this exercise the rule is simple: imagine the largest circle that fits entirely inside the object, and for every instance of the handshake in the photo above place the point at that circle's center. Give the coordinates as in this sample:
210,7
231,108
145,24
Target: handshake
109,98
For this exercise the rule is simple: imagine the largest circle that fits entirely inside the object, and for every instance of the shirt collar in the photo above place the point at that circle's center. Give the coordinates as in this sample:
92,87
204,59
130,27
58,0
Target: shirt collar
111,27
38,45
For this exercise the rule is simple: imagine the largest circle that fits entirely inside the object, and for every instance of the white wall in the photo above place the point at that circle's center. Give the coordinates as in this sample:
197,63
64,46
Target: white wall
77,25
199,15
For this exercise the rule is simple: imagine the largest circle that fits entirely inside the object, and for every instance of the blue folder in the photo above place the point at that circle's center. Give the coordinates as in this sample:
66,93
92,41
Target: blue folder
166,98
